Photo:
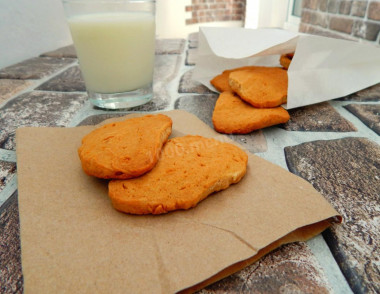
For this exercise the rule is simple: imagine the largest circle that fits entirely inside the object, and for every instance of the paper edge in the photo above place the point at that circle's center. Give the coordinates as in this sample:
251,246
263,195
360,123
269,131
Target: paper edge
291,237
289,36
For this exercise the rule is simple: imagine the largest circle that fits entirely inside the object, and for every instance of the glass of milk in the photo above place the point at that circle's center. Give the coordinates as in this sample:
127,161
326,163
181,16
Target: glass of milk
115,44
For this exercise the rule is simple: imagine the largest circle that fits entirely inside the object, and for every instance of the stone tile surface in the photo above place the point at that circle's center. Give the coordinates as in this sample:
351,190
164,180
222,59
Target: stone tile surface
191,56
71,80
37,109
188,85
166,69
320,117
10,88
346,171
64,52
200,105
170,46
369,94
11,280
203,106
369,114
96,119
7,171
290,269
35,68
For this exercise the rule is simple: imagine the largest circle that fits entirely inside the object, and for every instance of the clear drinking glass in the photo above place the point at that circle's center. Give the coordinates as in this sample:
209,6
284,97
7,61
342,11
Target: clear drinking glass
115,44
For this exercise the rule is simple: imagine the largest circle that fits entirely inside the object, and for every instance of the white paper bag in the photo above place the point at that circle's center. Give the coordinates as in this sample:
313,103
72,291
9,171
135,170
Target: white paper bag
322,68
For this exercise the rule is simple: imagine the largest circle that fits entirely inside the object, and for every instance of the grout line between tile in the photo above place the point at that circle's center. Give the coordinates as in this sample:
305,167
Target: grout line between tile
7,155
8,190
37,83
333,273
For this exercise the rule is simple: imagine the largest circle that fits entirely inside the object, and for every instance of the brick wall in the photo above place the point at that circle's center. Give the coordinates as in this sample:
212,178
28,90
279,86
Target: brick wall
215,10
354,20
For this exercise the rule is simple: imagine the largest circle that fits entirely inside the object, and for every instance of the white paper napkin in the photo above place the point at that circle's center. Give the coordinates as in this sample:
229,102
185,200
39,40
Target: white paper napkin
322,68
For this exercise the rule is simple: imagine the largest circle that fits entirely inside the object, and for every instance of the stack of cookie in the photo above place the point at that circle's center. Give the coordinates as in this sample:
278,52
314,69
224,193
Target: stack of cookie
250,98
151,174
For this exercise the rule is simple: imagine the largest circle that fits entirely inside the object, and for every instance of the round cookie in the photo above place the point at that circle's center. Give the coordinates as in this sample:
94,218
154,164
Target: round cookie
190,169
233,115
221,83
262,88
125,149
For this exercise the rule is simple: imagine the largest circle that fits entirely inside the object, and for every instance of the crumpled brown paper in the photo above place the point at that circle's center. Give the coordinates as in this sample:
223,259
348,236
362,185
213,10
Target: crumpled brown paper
73,241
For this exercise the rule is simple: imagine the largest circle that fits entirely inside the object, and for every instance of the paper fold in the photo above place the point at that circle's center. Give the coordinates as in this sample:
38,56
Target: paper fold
73,240
322,68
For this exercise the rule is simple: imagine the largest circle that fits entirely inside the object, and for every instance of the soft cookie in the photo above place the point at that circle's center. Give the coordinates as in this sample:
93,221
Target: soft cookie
190,169
221,83
232,115
125,149
263,88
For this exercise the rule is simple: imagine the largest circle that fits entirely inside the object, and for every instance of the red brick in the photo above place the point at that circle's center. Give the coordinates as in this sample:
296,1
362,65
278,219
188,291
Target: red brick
226,17
237,5
359,8
366,30
311,4
238,11
314,30
323,5
315,17
208,10
374,11
333,6
237,17
306,16
345,7
218,6
341,24
200,6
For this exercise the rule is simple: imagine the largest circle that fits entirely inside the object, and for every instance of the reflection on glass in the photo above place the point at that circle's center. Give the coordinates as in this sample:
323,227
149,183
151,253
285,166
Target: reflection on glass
297,8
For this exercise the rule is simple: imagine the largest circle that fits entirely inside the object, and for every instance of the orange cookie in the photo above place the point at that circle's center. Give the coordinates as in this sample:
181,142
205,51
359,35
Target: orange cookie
190,169
221,83
267,87
286,59
125,149
233,115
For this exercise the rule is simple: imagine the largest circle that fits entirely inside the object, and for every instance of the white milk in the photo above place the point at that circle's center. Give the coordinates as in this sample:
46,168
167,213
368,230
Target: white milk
115,50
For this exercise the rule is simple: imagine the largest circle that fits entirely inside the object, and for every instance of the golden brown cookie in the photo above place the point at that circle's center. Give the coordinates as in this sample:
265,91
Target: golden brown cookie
263,88
190,169
221,83
286,59
125,149
233,115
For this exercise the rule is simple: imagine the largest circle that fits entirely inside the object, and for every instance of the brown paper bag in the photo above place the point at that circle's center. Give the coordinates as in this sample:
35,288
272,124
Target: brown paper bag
73,241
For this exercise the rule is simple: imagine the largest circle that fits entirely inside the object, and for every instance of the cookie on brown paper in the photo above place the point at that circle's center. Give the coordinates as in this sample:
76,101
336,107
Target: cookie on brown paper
125,149
233,115
262,88
190,169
